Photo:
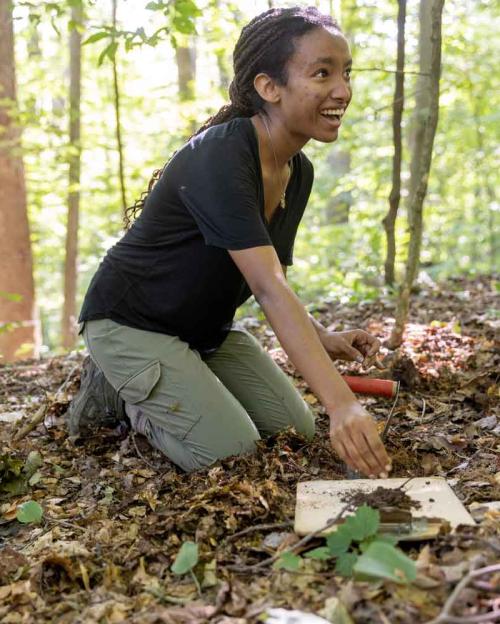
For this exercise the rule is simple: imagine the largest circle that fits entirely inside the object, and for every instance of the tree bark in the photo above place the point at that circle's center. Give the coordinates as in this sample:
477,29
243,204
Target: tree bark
389,220
118,125
186,71
19,327
427,106
69,334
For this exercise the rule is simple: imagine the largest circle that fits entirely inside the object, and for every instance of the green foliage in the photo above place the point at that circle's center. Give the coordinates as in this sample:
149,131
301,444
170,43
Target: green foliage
340,247
382,560
288,561
186,559
16,476
29,513
180,16
363,524
360,551
11,296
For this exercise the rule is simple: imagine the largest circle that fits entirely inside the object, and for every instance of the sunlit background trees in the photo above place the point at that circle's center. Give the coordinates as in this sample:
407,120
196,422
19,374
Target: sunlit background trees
151,73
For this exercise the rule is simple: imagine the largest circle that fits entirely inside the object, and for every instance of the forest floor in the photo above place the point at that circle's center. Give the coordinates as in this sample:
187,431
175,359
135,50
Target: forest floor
116,512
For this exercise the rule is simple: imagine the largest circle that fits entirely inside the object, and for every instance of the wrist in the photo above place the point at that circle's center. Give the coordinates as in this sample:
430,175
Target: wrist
343,408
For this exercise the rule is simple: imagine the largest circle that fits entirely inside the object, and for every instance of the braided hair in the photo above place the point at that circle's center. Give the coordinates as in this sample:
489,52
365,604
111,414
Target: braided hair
265,46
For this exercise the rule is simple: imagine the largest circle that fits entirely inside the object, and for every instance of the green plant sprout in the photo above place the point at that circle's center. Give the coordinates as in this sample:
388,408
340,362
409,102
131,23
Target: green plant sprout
360,551
185,561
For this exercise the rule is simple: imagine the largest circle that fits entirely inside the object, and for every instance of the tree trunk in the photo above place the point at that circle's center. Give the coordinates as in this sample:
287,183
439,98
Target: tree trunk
427,106
19,328
119,142
70,269
397,115
186,71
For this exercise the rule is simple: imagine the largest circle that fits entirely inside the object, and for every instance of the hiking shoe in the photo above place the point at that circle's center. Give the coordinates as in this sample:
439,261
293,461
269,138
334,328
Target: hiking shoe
96,405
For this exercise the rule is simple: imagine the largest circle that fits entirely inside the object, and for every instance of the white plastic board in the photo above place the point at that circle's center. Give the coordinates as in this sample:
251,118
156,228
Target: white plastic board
320,501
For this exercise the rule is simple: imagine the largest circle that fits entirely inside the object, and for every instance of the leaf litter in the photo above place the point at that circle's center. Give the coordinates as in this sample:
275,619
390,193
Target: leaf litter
116,512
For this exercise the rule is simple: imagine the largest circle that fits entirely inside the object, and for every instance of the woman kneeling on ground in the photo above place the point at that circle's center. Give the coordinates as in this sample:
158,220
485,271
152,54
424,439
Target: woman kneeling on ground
218,225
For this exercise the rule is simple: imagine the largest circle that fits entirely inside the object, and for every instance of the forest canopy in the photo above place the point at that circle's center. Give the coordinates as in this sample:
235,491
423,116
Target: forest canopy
165,67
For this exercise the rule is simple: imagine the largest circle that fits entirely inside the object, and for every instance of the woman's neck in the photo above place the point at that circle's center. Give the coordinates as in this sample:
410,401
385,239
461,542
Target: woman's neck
276,145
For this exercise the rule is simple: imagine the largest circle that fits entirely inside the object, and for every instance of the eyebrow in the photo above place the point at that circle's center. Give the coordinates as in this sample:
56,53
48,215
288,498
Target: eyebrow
327,60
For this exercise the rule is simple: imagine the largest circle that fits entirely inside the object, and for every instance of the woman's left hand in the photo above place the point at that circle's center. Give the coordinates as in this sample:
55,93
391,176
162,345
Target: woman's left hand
354,345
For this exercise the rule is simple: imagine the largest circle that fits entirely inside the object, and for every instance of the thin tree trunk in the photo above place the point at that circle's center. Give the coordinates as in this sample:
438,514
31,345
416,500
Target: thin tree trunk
19,328
484,184
119,142
70,268
186,71
428,119
397,115
185,55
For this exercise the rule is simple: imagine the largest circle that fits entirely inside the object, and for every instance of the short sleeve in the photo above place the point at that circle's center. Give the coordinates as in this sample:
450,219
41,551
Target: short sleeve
220,186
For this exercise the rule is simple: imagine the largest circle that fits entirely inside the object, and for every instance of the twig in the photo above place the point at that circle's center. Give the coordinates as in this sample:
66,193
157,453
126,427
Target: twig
445,617
404,483
391,414
66,523
305,540
423,410
390,71
260,527
34,422
196,582
41,411
132,433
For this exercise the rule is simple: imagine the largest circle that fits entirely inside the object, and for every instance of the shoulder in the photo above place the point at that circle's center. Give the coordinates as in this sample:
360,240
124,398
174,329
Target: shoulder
229,148
238,131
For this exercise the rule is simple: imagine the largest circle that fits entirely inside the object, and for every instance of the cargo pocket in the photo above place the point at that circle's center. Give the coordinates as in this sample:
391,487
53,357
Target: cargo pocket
139,386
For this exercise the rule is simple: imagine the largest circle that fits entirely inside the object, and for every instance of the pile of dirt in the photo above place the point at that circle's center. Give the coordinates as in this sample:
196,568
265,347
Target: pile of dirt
381,498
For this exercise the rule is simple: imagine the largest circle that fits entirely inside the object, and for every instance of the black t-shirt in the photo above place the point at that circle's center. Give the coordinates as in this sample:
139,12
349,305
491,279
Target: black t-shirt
171,272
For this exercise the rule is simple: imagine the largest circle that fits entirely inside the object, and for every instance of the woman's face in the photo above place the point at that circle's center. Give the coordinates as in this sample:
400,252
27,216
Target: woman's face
318,89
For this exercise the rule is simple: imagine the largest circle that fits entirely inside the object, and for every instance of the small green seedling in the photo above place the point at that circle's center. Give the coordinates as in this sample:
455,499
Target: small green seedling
360,551
29,513
186,560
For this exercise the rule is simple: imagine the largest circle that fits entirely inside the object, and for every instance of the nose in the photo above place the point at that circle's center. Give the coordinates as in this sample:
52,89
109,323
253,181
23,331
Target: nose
341,89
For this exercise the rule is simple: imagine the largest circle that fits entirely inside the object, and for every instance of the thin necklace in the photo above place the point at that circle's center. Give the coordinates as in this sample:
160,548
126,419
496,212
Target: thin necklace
283,185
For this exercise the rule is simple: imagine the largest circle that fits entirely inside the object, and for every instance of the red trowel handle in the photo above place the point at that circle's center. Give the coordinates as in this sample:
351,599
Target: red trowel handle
375,387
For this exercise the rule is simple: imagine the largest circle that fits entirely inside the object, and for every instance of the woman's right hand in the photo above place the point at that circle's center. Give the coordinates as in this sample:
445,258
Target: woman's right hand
354,436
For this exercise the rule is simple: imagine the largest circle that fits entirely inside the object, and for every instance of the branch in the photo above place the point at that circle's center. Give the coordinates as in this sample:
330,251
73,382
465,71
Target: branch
305,540
391,71
41,411
445,617
260,527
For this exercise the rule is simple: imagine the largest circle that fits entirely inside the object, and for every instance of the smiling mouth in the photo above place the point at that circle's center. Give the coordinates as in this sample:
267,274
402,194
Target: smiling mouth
333,114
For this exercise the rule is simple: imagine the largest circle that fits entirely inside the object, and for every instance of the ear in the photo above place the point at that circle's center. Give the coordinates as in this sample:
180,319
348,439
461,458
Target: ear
267,88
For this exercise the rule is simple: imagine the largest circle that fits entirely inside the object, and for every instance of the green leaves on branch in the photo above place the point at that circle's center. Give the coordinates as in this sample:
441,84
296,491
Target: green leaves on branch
360,551
180,19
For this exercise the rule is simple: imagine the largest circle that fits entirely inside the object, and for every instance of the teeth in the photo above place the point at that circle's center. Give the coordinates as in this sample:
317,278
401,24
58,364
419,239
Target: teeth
333,111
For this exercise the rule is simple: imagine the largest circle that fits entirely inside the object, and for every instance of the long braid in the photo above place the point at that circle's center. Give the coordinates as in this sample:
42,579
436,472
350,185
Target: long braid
265,45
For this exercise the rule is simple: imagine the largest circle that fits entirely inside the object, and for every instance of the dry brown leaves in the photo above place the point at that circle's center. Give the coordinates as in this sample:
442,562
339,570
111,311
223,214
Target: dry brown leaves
114,523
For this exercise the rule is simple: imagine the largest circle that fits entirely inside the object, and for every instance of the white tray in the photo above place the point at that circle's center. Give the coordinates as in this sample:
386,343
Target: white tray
320,501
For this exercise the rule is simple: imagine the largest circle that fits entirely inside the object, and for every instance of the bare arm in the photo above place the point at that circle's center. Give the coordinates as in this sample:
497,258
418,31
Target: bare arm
353,432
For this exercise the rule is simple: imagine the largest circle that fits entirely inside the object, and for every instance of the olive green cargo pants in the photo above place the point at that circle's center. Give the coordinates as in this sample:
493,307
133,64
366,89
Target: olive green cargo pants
197,409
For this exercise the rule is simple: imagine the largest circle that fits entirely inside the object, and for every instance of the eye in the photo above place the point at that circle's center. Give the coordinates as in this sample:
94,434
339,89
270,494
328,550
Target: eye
347,73
322,73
